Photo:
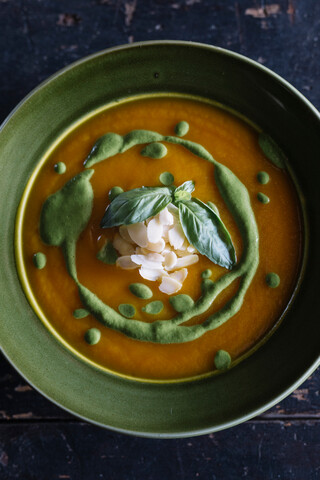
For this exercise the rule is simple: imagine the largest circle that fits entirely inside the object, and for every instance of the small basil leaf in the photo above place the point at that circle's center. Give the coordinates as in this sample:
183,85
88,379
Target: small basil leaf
136,205
186,187
206,232
184,191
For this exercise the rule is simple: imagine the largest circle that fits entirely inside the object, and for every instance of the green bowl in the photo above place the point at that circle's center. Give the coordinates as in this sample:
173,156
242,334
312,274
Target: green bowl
174,409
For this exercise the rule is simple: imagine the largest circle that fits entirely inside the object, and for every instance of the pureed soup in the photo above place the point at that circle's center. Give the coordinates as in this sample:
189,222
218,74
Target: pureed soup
161,238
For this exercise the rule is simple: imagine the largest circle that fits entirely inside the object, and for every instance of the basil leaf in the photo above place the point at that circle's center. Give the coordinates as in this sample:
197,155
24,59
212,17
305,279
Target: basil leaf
136,205
186,187
184,191
206,232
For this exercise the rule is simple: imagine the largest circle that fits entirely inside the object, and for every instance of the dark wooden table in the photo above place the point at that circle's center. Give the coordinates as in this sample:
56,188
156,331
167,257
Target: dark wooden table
39,441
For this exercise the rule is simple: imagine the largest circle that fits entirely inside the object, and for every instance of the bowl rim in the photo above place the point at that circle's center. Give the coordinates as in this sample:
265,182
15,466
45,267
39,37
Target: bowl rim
256,65
146,43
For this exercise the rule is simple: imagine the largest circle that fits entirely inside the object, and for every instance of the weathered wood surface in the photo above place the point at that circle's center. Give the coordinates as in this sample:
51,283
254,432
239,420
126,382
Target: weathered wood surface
77,451
39,440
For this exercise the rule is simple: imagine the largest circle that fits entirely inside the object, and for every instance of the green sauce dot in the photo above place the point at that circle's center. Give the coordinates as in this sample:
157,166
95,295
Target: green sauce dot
222,360
206,284
263,198
272,280
154,150
60,168
214,208
114,192
153,308
166,178
80,313
108,254
127,310
39,260
92,336
181,128
206,273
140,290
263,178
271,150
181,302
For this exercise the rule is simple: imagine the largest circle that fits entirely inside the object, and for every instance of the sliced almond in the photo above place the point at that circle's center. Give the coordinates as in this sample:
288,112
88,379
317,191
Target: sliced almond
174,212
165,232
157,247
123,230
179,275
145,262
154,231
186,261
176,236
166,249
151,274
183,247
165,217
138,233
155,257
126,263
169,285
170,259
191,249
123,247
142,251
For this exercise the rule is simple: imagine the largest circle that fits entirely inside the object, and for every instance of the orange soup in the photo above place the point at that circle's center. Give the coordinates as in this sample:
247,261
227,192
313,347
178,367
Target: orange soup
237,257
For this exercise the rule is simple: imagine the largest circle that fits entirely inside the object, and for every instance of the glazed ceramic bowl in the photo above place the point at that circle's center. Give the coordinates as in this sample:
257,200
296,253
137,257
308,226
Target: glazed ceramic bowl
174,409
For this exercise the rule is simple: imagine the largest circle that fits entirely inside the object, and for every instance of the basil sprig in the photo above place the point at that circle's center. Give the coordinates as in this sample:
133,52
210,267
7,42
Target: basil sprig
201,225
206,232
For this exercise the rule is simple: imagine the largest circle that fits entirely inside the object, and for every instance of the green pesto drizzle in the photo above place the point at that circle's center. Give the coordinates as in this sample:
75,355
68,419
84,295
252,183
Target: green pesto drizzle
114,192
154,150
181,129
92,336
182,302
65,214
80,313
272,150
206,273
140,290
127,310
75,201
39,260
206,284
166,178
272,280
222,360
153,308
111,144
60,168
263,198
263,178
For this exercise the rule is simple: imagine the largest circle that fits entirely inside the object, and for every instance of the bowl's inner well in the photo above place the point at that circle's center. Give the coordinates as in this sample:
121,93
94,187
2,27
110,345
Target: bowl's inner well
231,141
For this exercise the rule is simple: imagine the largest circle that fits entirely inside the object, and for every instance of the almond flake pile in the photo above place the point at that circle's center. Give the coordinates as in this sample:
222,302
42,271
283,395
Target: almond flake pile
159,248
